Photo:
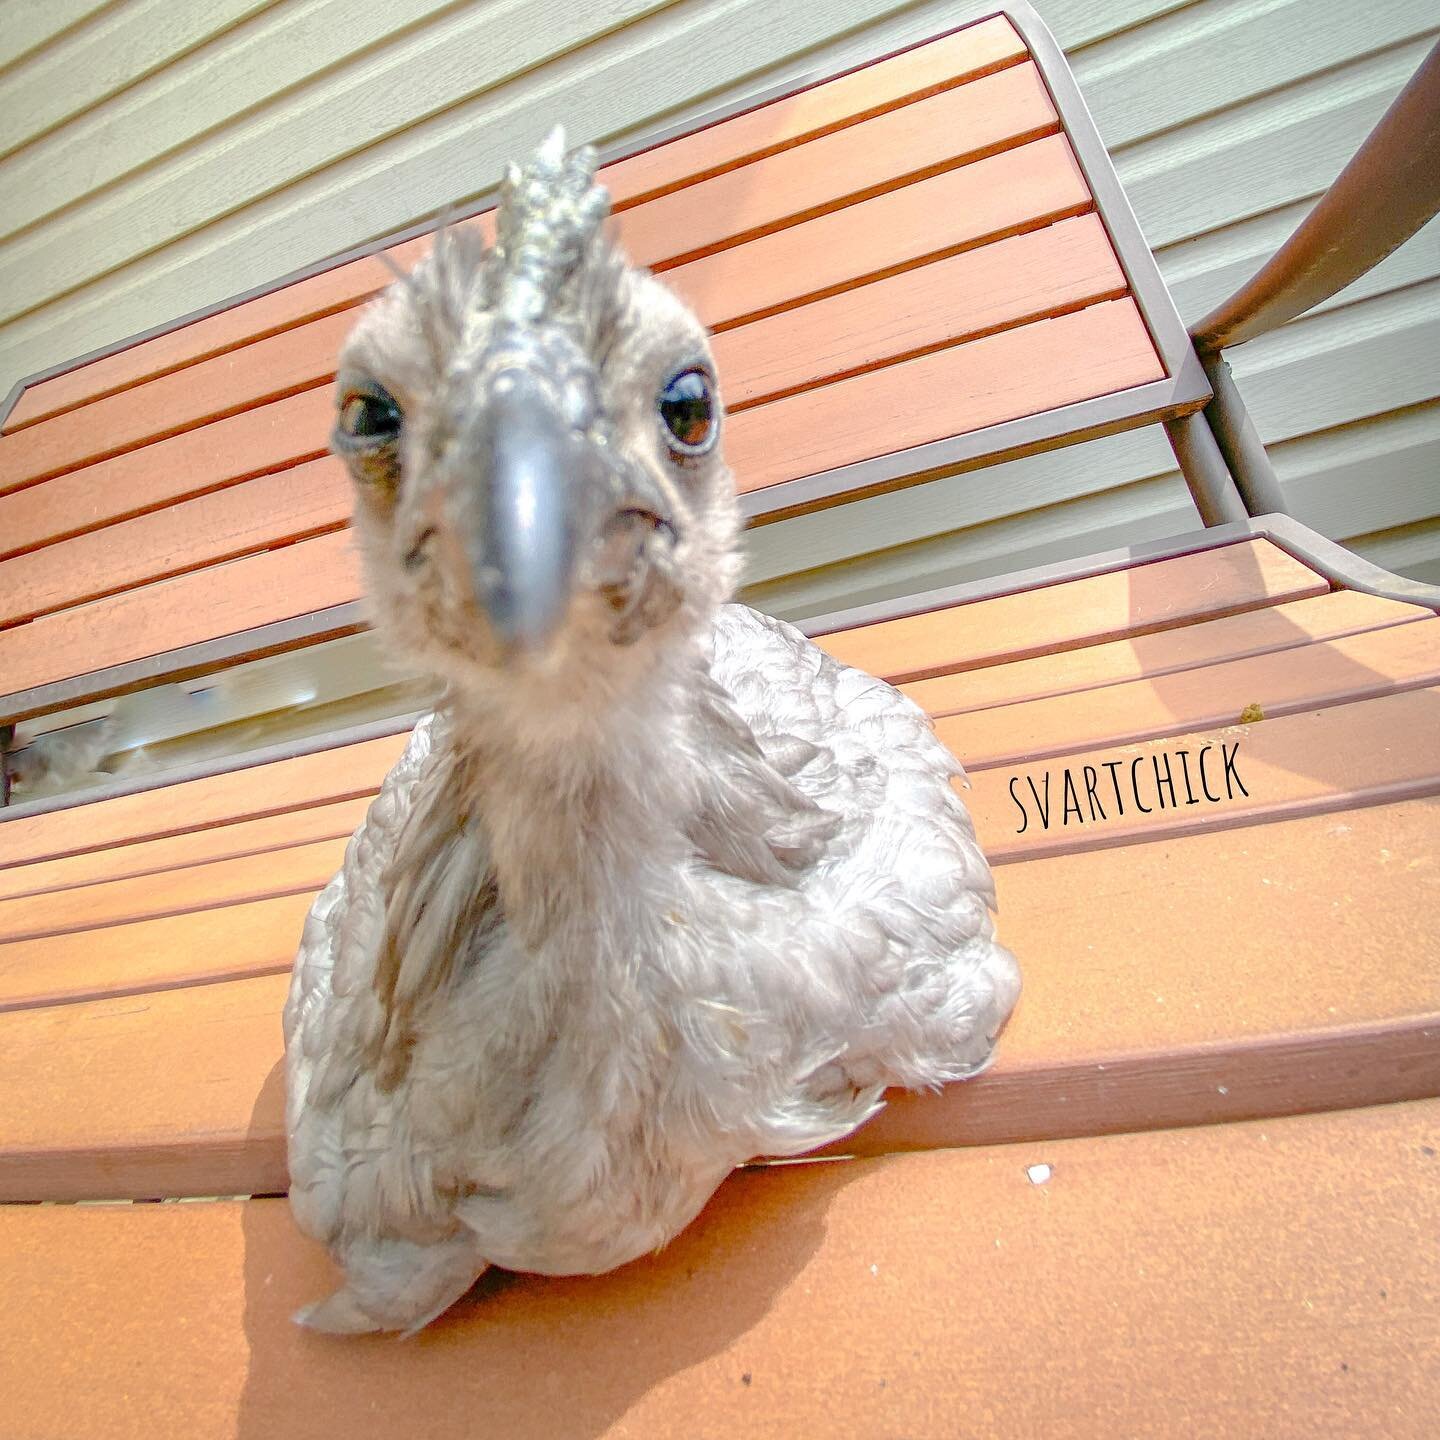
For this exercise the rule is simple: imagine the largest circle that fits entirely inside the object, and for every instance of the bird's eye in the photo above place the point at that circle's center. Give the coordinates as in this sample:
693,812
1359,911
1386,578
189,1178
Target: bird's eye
369,415
687,409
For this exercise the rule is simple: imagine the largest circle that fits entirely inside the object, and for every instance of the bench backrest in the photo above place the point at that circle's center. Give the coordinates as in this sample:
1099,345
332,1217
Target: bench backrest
913,267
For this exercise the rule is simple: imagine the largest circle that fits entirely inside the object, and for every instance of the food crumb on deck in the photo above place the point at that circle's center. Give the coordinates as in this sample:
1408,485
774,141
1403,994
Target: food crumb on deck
1039,1174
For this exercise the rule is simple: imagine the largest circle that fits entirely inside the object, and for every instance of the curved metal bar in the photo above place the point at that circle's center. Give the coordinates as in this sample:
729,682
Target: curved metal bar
1382,197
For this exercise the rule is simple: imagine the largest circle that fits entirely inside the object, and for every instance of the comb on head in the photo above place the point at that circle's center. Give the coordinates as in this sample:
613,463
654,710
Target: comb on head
551,210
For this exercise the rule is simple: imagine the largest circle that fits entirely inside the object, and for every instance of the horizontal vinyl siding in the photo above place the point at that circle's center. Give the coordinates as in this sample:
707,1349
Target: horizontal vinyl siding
157,156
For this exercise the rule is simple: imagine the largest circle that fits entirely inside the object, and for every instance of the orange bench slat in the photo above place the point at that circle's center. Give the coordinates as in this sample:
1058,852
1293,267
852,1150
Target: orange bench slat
939,132
268,370
1367,752
1133,600
219,600
1150,656
1386,656
1024,278
966,387
201,886
1026,186
226,841
197,947
1305,677
181,1094
319,779
270,510
948,60
269,437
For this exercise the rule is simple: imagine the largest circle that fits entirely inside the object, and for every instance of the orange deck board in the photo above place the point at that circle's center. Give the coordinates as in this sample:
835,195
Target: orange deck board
1152,1277
1091,1001
938,64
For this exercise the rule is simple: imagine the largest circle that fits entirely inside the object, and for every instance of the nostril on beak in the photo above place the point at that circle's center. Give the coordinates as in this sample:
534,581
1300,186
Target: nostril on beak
415,555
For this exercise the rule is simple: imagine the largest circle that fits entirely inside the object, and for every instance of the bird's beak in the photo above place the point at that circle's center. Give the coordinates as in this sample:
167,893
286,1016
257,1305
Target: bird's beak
530,497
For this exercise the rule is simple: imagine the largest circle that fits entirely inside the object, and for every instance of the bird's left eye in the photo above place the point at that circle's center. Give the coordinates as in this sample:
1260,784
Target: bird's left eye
369,415
687,409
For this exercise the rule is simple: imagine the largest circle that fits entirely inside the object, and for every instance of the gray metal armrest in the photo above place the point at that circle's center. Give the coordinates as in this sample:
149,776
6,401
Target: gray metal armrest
1390,188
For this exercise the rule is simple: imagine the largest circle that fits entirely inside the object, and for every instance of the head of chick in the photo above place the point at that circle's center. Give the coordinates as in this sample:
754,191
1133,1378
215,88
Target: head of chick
534,430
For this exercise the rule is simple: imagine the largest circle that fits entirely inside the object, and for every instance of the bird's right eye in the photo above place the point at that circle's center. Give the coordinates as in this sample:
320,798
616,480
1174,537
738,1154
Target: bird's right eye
369,416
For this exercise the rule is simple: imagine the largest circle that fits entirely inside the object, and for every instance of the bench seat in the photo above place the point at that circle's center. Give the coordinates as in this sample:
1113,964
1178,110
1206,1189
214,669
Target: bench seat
1247,950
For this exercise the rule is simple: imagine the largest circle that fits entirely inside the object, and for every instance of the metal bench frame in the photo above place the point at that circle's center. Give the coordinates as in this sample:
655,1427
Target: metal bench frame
1215,442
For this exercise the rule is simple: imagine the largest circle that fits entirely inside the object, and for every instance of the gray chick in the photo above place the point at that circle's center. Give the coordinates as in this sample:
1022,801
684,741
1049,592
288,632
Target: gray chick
659,887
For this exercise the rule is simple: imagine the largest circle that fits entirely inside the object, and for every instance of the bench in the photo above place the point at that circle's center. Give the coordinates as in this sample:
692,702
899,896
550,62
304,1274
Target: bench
1200,1179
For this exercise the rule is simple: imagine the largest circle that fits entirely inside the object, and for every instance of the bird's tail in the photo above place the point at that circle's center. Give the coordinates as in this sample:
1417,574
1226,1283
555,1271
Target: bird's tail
396,1285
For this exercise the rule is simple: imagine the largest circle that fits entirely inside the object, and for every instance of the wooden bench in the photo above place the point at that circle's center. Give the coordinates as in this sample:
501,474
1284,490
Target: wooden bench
1200,1179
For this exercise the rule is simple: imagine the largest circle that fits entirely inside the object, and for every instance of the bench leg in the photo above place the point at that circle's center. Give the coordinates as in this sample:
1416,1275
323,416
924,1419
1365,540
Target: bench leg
1204,469
1240,442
